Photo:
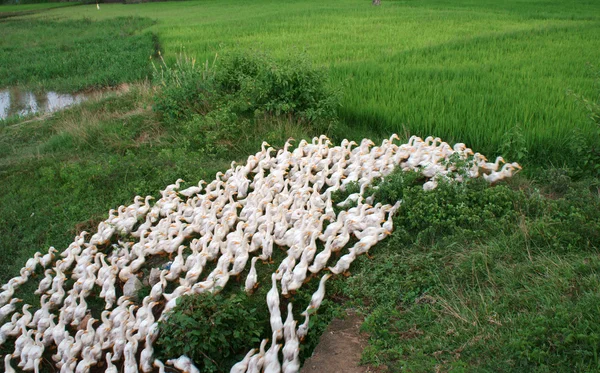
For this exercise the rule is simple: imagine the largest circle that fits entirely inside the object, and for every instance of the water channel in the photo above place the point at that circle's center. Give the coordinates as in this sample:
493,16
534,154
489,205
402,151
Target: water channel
17,102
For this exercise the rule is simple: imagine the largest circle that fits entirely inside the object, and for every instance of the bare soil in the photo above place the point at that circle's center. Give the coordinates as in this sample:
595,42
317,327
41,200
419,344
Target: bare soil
340,348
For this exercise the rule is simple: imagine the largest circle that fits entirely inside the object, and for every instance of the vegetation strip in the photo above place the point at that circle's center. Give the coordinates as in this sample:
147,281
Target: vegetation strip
291,209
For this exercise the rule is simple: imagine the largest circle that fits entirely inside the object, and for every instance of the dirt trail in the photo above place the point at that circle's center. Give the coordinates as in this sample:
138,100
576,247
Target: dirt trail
339,349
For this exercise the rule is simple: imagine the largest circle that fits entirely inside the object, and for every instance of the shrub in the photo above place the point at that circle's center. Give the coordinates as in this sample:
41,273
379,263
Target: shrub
215,331
185,89
259,85
249,86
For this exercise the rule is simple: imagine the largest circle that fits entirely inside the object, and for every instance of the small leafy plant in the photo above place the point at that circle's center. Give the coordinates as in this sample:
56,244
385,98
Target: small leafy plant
213,103
215,331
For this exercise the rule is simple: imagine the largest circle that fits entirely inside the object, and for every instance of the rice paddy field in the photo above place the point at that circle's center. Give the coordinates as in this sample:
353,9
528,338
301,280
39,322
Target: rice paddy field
468,71
474,278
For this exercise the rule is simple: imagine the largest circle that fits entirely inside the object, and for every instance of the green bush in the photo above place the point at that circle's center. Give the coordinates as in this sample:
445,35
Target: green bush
185,89
215,331
467,208
251,86
257,84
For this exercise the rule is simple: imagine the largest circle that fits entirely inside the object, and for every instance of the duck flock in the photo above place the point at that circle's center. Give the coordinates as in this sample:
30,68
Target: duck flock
277,199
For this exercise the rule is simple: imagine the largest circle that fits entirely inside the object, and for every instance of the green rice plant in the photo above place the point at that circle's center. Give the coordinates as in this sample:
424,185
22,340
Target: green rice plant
73,55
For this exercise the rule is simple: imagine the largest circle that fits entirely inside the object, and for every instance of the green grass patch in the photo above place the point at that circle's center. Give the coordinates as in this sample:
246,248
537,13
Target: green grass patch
72,55
484,279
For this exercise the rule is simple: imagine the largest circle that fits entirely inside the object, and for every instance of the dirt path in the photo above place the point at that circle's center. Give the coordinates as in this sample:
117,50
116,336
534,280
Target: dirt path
339,349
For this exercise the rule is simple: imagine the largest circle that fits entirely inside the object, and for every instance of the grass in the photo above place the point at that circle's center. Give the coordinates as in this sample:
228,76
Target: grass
510,293
73,55
466,71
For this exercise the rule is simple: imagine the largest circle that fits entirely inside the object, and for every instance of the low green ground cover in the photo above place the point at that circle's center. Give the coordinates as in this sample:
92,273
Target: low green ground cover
485,279
73,55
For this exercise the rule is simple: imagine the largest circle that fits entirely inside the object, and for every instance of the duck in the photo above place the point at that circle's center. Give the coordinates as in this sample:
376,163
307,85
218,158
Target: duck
343,263
193,190
80,311
130,363
177,266
69,365
47,259
302,330
273,306
42,314
291,351
84,365
32,263
7,294
493,166
256,362
157,290
317,297
369,240
146,357
7,367
104,328
8,308
289,326
239,262
34,354
271,363
252,279
25,319
507,171
341,239
109,293
242,366
184,364
298,274
10,328
320,261
45,283
110,367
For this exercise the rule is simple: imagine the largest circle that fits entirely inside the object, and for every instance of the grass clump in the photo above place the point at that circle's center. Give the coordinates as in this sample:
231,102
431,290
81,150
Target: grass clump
243,88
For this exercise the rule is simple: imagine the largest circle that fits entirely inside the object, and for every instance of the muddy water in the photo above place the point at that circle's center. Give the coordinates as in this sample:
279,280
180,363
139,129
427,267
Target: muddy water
14,101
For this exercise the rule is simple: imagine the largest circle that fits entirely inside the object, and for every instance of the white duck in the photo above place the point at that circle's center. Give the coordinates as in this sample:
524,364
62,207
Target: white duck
252,279
7,294
302,330
9,308
184,364
7,367
257,361
146,357
291,349
343,263
321,259
45,283
47,259
10,328
110,367
272,364
317,297
242,366
273,306
177,266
